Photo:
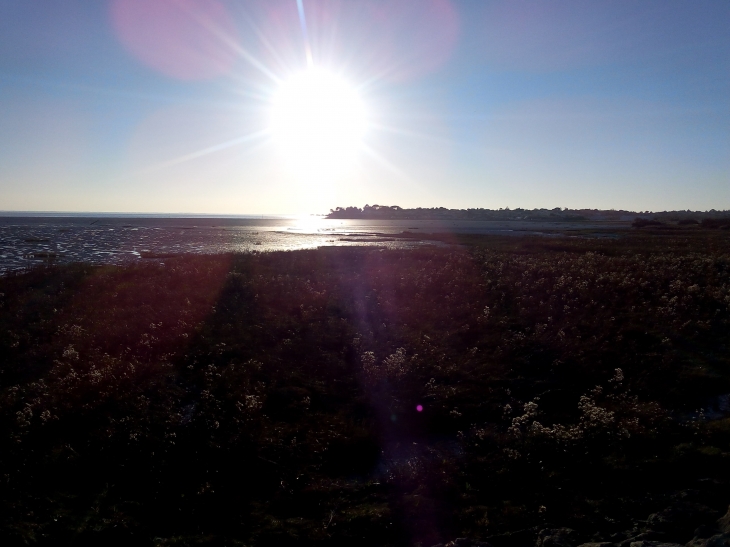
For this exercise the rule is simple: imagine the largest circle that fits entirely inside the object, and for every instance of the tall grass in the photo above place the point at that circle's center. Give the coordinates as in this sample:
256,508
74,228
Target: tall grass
272,398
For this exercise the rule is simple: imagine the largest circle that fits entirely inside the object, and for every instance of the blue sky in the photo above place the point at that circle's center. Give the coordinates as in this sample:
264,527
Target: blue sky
165,105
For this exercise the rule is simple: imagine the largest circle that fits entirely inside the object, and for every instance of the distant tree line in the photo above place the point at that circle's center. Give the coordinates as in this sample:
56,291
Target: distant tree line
394,212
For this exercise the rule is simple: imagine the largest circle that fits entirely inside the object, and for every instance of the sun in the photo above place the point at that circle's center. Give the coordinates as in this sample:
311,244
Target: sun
318,122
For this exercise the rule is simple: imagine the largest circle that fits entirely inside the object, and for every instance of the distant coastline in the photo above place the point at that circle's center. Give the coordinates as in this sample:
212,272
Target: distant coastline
394,212
104,214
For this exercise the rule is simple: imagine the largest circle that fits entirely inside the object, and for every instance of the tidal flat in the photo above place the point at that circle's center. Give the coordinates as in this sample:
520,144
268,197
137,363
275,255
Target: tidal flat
28,240
514,391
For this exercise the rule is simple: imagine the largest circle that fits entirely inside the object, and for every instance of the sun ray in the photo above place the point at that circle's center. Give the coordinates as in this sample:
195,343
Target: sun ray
303,23
251,137
233,44
261,37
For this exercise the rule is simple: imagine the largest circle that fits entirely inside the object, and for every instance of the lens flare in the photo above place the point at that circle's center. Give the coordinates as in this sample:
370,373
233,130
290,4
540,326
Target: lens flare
183,39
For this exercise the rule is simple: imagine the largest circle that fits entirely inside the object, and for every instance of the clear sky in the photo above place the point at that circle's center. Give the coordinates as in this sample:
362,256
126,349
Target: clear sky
280,106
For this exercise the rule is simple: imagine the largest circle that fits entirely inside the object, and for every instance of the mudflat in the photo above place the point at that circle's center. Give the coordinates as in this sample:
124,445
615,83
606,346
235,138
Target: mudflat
123,239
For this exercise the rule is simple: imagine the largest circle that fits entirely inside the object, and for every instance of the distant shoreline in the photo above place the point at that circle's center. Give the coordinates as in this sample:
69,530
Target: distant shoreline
92,214
394,212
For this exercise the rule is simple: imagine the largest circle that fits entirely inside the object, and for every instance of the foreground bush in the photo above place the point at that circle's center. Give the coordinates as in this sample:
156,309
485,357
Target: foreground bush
367,397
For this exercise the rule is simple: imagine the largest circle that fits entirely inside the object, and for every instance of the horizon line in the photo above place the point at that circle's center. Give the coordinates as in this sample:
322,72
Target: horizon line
138,213
11,212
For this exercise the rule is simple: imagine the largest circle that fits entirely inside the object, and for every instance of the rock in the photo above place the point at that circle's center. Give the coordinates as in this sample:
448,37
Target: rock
556,537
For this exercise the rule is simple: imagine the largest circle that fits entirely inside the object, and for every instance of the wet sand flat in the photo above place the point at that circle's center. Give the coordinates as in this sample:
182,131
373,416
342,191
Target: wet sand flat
29,240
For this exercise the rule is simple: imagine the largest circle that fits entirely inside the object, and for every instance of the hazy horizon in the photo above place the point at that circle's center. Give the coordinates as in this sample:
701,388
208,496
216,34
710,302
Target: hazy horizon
286,107
274,216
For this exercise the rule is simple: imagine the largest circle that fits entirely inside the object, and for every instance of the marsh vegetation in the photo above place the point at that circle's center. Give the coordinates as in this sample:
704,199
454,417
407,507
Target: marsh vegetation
362,396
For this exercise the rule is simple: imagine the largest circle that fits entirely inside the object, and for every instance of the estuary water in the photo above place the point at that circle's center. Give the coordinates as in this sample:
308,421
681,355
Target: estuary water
35,238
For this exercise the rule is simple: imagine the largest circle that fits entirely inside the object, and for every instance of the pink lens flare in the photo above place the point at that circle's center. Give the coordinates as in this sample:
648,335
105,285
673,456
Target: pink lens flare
184,39
419,408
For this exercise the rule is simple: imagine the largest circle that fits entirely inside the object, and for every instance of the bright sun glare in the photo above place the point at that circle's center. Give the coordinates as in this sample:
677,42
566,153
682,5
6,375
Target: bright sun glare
318,122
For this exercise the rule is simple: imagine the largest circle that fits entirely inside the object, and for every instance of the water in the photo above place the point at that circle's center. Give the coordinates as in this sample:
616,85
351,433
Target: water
107,239
27,239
